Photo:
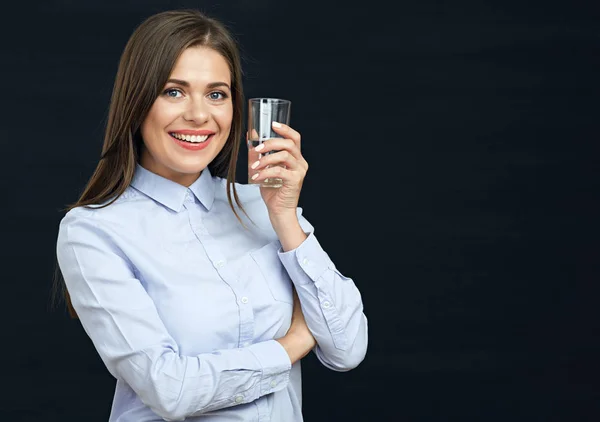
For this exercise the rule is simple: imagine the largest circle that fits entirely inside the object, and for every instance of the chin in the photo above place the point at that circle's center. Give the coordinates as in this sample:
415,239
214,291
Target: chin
190,169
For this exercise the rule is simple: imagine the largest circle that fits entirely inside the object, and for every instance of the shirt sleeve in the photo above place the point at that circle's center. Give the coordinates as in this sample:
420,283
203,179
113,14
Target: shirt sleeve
331,303
126,330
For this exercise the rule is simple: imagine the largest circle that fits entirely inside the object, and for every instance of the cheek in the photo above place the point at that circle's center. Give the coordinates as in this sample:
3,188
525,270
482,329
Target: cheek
224,118
157,120
161,115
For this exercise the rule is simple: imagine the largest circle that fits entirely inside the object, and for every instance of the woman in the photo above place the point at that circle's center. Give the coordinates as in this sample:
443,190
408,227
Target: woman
200,295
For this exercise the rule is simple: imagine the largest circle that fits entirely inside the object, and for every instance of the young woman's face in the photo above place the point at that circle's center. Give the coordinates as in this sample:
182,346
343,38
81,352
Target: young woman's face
190,120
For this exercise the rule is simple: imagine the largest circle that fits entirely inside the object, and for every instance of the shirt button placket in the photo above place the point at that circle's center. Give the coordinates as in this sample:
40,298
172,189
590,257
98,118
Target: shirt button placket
227,274
247,320
244,304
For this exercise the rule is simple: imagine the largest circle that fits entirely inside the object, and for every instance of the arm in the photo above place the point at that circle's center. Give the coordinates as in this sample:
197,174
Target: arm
126,330
331,303
298,341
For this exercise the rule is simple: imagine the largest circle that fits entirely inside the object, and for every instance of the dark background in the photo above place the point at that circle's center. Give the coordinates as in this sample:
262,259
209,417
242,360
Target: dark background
453,153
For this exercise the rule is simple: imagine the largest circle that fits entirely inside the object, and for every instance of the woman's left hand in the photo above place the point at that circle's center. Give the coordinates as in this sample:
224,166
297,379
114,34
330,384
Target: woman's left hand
280,201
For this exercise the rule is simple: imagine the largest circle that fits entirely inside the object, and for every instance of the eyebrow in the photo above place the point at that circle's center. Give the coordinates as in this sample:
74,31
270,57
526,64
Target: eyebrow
209,86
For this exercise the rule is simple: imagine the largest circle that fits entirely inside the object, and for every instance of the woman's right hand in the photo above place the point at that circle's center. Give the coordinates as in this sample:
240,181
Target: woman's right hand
298,341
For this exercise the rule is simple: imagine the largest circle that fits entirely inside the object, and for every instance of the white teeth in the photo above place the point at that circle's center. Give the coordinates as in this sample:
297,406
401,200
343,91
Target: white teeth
190,138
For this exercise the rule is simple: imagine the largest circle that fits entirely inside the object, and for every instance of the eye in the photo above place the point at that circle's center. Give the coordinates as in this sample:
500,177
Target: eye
217,95
172,92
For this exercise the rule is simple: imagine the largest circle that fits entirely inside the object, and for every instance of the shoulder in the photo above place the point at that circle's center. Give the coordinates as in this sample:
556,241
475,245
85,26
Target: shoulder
118,215
254,206
246,192
250,200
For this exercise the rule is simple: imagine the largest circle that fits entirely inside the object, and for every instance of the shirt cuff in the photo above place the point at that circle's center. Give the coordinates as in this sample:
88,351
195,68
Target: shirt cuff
275,363
308,259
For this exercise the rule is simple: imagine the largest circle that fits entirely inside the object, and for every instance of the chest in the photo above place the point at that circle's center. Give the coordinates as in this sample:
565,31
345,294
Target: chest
215,287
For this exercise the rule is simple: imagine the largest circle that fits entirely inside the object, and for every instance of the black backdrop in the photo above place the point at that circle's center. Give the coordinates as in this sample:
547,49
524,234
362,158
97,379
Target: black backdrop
453,176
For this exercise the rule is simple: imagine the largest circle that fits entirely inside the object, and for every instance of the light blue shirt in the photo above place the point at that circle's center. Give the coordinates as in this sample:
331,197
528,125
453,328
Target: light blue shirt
183,304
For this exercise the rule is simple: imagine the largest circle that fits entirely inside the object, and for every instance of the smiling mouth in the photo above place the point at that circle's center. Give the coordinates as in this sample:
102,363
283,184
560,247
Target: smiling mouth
192,139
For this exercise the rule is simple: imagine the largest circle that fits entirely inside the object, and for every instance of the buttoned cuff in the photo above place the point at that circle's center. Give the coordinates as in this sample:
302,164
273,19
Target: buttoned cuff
275,363
307,262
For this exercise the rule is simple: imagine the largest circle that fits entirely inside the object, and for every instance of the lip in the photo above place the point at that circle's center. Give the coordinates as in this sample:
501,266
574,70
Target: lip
193,132
190,146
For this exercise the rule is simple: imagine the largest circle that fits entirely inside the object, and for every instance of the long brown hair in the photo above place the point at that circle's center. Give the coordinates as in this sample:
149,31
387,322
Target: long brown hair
145,65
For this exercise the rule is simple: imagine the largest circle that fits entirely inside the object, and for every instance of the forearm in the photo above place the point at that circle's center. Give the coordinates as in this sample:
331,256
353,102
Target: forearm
331,304
288,230
176,386
337,323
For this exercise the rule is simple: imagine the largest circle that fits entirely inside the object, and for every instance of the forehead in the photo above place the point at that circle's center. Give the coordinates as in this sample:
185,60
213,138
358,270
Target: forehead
201,64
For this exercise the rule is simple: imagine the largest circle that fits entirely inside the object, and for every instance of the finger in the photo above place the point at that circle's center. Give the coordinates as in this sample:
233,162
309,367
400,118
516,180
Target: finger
253,156
287,132
288,176
279,158
280,144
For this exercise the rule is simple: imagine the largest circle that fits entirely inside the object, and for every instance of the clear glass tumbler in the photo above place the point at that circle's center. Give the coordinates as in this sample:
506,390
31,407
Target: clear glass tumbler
261,113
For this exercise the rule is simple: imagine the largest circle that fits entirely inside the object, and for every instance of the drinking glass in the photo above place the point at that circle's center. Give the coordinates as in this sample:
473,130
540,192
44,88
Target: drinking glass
261,113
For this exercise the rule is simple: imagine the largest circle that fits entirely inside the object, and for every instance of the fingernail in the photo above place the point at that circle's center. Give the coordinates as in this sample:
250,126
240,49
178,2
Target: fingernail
255,176
260,147
275,124
255,164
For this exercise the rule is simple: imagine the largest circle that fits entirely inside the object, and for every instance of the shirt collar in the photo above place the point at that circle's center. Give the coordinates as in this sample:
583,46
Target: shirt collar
172,194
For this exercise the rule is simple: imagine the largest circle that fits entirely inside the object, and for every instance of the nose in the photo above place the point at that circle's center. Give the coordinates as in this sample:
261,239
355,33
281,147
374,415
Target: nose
196,111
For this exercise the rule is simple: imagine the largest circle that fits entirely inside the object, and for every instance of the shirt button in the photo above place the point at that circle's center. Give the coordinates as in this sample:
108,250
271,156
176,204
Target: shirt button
305,261
326,304
239,399
244,299
273,384
220,264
